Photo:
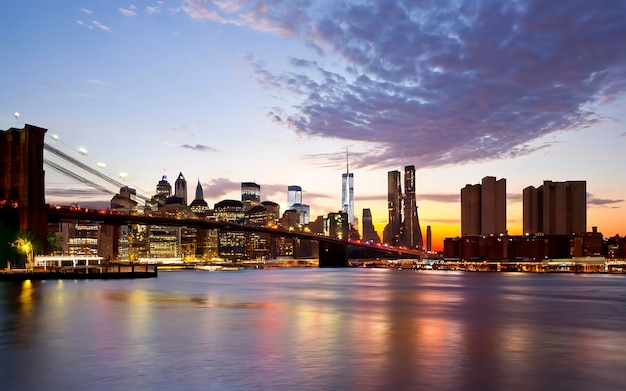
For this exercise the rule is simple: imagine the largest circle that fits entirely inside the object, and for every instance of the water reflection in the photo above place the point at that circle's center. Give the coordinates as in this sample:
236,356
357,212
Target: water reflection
316,329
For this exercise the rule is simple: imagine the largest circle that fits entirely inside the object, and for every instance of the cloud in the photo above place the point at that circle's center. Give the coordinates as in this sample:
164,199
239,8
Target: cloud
199,148
439,83
150,10
88,26
591,200
130,11
86,11
101,26
217,188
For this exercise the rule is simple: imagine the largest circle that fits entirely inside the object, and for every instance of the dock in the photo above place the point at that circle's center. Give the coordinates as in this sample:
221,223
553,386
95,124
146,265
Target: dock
87,272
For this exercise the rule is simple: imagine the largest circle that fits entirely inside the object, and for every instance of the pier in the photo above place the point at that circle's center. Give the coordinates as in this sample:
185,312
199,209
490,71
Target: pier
82,272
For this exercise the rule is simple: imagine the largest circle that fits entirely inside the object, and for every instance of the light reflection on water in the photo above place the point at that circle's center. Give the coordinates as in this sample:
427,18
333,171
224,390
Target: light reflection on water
315,329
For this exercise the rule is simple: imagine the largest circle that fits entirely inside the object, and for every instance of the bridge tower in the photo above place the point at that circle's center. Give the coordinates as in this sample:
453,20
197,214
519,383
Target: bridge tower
22,178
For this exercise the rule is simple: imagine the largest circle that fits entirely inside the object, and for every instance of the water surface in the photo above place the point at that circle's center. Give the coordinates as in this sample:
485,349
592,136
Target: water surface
316,329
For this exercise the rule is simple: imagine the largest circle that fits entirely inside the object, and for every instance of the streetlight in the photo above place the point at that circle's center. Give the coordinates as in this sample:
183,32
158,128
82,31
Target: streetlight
25,246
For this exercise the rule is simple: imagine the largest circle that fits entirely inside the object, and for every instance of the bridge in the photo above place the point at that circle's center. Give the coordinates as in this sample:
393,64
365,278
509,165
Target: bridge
22,191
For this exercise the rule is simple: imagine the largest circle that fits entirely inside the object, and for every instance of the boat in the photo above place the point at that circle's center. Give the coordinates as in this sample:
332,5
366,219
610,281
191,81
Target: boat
210,268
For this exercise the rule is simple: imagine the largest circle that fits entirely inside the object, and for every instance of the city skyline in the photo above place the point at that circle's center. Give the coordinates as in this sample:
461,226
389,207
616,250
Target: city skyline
237,93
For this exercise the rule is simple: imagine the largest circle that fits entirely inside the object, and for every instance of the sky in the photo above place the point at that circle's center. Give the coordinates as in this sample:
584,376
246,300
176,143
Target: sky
276,91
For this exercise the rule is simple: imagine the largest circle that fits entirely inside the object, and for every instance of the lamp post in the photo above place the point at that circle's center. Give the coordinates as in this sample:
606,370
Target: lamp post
25,246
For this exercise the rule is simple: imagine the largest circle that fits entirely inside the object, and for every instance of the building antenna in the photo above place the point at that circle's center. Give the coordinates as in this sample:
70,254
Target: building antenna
347,167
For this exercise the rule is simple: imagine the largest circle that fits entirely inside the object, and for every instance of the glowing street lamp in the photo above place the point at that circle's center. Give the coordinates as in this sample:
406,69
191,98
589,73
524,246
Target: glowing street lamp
25,246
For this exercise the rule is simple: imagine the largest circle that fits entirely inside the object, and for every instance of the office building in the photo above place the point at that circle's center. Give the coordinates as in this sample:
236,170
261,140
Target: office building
493,206
294,195
411,232
470,210
180,188
483,208
555,208
429,239
347,193
393,229
250,195
199,206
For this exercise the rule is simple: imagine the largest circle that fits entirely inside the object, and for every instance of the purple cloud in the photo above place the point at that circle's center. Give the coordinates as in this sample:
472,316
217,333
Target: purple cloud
444,82
199,148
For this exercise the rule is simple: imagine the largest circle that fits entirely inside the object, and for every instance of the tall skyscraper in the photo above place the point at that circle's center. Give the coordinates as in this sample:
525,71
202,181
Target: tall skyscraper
294,195
493,206
347,193
483,208
180,188
556,208
393,229
470,210
250,195
429,239
412,233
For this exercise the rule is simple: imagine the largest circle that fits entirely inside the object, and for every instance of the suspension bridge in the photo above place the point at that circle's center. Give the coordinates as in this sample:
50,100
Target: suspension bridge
22,189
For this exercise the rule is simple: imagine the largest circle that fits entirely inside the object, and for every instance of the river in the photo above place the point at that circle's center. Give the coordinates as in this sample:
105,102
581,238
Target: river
316,329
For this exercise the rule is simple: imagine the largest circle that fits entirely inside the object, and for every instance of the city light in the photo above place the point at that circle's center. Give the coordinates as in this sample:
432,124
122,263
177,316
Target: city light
24,245
101,164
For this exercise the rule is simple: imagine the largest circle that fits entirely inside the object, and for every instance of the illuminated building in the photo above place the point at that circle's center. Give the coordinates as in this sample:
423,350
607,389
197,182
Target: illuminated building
273,212
231,244
347,193
336,225
369,233
555,208
163,190
258,244
483,208
303,211
411,232
79,238
125,200
250,195
393,229
294,195
180,188
199,206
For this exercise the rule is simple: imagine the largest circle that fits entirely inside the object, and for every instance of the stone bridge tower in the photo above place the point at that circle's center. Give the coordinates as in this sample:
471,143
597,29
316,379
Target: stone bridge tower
22,178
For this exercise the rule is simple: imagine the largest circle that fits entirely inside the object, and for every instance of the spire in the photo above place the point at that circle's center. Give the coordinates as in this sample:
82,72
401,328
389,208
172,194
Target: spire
199,192
347,167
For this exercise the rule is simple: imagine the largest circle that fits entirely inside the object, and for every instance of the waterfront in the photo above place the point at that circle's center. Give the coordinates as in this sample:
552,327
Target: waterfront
316,329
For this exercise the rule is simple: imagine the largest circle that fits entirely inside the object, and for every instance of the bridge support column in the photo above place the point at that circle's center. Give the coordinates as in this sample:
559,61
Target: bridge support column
333,254
22,178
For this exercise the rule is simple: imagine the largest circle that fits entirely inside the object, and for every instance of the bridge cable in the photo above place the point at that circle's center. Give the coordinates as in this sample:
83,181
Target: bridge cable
85,167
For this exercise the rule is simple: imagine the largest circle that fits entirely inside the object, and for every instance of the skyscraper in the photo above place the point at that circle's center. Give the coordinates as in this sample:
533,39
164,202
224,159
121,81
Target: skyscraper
412,233
250,195
347,193
556,208
294,195
493,206
483,208
429,239
199,206
470,210
180,188
393,229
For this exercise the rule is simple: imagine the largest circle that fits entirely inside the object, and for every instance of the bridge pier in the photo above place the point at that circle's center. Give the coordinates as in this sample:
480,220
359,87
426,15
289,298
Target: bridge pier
333,254
22,178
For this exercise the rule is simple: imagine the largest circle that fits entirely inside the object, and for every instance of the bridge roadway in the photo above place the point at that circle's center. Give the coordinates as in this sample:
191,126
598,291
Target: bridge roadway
332,252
